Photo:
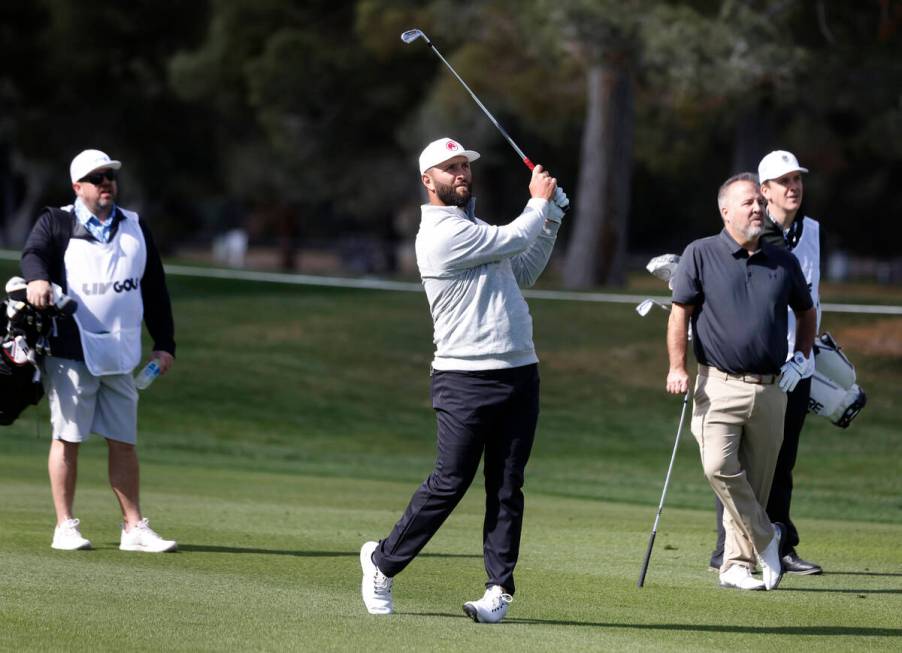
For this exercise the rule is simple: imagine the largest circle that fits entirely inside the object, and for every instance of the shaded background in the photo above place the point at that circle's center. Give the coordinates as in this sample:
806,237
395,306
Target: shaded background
298,124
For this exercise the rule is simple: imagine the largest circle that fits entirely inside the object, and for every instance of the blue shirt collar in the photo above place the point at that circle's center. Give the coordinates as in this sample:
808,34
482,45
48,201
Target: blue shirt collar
100,230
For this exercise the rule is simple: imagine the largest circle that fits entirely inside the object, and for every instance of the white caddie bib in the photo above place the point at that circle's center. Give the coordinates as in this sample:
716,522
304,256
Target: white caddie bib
808,253
105,280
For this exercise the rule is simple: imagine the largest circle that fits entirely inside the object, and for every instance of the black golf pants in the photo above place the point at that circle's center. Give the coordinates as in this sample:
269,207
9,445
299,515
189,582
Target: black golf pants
781,490
491,413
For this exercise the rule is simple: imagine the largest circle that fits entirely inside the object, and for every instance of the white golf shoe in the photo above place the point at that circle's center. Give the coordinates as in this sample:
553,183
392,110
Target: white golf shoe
141,537
376,586
740,578
771,565
67,537
491,608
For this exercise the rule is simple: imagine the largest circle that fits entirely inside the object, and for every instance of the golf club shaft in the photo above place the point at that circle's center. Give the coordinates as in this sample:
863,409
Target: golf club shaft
523,157
654,528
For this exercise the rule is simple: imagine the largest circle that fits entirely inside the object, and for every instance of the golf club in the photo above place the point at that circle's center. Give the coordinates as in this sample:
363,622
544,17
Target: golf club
664,267
412,35
645,306
654,528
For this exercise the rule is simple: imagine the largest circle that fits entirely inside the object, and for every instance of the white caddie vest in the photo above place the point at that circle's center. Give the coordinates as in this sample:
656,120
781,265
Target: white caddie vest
808,253
105,280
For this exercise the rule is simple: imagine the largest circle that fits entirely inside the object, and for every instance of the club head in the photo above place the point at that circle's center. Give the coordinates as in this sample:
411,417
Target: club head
646,305
664,267
15,284
65,305
412,35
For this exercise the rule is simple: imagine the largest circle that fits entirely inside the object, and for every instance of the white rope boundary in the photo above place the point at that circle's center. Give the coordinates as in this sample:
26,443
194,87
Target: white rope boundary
404,286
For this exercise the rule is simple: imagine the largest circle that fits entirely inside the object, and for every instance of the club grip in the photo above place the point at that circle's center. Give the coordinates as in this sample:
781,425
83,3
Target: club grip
529,164
651,543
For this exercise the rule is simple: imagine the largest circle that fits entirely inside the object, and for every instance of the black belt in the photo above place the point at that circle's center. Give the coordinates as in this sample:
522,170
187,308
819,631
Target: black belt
759,379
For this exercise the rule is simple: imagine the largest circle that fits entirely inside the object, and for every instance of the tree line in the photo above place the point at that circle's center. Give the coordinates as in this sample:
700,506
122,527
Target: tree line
302,120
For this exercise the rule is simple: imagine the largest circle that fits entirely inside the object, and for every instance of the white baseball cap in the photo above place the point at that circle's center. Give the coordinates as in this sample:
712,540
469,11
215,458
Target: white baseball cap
441,150
778,163
88,161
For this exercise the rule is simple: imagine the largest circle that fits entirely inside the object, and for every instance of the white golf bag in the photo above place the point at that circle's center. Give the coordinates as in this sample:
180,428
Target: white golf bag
834,393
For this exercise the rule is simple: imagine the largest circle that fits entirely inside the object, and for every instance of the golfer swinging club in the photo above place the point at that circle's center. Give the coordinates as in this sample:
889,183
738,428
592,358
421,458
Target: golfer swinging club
485,380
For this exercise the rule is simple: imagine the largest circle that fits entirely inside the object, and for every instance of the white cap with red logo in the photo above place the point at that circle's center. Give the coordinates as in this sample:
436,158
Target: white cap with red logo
441,150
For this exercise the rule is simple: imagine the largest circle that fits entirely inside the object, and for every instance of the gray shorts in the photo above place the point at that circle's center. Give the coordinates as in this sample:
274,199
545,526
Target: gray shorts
81,403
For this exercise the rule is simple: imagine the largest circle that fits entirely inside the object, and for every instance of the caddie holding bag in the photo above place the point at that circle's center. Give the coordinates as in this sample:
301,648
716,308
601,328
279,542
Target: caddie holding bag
104,256
834,393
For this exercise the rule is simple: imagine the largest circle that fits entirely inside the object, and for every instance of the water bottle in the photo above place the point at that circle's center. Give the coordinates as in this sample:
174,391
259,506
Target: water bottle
146,376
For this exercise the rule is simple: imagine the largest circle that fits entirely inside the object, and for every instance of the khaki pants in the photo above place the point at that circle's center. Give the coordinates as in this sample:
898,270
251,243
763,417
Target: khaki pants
738,424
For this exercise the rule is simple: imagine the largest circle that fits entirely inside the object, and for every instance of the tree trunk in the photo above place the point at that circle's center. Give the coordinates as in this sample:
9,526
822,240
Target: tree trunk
288,259
597,251
19,220
614,232
753,138
579,264
7,192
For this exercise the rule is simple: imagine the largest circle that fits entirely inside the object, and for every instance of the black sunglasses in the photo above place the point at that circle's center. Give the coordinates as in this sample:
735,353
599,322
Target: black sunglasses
97,177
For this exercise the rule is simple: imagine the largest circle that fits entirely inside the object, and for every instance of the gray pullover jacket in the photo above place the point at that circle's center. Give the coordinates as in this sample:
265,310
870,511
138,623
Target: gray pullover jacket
472,273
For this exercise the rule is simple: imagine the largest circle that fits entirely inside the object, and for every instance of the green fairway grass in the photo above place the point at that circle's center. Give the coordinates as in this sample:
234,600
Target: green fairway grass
295,425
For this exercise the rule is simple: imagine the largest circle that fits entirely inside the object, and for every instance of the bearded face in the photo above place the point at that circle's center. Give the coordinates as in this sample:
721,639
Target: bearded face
450,182
457,194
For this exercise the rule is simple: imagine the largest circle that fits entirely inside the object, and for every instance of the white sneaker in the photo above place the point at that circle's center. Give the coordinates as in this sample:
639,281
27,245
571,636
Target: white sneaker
771,565
491,608
376,586
141,537
740,578
67,537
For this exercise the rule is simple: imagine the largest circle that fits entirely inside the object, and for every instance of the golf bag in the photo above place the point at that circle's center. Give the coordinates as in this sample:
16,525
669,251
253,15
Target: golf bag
23,343
834,393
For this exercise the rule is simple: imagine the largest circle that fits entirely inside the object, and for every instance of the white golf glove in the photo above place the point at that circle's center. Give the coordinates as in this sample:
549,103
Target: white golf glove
560,198
555,213
794,370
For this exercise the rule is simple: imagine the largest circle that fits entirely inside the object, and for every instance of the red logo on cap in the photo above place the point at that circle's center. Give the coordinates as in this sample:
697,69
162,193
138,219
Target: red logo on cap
451,145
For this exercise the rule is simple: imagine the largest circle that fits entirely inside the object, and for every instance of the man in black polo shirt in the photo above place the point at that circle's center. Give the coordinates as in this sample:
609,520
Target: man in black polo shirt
786,227
736,290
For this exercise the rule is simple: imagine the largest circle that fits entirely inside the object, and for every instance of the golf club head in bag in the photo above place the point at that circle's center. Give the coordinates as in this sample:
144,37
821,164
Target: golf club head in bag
645,306
664,267
24,333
